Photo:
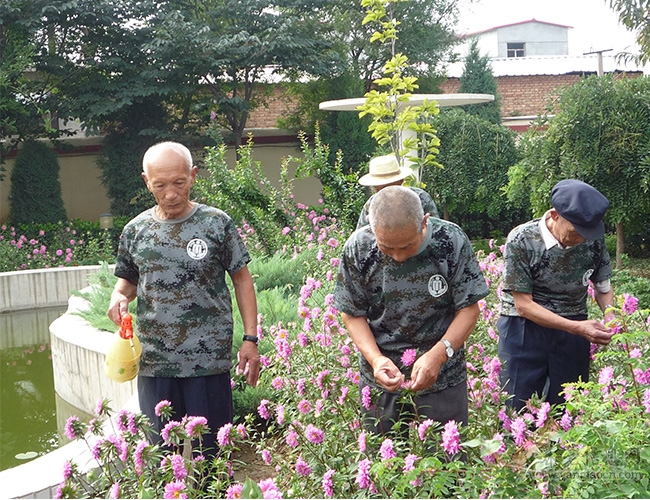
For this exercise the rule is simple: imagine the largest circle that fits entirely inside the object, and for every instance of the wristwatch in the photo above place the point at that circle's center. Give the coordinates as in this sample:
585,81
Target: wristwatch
448,349
251,338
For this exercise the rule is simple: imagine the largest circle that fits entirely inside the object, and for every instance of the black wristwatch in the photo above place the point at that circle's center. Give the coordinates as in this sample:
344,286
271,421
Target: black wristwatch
251,338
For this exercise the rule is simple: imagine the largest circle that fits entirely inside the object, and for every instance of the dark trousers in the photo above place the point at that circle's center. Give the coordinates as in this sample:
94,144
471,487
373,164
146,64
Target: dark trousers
442,406
535,357
209,397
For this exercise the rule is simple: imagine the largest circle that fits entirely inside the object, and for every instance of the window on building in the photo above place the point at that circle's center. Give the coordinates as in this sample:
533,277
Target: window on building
516,49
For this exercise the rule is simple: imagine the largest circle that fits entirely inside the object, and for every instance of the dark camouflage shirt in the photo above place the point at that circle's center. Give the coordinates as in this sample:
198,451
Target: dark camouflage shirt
556,277
410,305
184,317
428,205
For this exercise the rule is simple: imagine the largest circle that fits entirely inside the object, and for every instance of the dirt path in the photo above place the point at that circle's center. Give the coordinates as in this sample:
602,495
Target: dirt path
247,463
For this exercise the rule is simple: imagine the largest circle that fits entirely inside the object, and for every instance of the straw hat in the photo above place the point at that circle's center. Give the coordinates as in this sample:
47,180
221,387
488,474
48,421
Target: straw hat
384,170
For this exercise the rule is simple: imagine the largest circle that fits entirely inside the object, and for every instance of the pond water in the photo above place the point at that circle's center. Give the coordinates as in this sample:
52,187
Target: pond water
28,406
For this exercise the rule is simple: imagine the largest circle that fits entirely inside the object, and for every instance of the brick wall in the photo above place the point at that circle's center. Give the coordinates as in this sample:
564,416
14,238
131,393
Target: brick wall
277,105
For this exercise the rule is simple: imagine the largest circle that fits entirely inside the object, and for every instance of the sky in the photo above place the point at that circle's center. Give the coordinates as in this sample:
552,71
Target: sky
595,25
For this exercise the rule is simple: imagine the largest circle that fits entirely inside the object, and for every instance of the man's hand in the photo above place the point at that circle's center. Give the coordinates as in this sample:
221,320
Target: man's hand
594,331
427,367
249,362
123,293
387,374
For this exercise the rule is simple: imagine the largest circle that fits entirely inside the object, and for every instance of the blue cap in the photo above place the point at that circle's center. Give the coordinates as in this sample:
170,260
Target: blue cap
582,205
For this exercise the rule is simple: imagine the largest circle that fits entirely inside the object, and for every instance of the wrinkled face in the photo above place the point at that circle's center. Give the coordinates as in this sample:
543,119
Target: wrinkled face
400,244
564,231
170,180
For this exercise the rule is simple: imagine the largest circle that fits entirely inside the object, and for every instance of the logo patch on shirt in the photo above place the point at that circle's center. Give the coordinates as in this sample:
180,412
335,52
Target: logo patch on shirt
586,276
197,249
437,285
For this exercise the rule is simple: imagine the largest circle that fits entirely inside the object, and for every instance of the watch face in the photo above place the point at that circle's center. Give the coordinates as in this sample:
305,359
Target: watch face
450,352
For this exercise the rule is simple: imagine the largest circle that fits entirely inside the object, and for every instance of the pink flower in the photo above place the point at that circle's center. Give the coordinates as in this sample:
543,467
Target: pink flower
263,410
178,466
422,428
630,304
73,428
566,421
328,487
223,435
646,400
292,439
409,356
363,474
269,488
451,438
314,434
542,414
114,492
304,406
279,412
302,467
409,462
67,469
366,400
163,408
606,375
196,426
333,242
386,450
277,383
518,429
234,490
170,431
175,490
137,456
267,457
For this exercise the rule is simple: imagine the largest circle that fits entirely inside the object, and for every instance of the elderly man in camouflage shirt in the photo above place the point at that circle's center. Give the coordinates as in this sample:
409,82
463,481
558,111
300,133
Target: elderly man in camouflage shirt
410,282
173,258
544,333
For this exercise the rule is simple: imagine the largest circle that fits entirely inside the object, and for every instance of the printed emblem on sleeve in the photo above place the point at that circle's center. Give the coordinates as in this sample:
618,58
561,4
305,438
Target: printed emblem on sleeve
586,276
197,249
437,285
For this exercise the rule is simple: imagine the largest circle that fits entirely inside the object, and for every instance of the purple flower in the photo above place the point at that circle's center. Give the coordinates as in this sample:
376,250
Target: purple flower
223,435
137,456
363,474
175,490
566,421
328,487
67,469
302,467
314,434
266,457
451,438
646,400
362,442
606,375
386,450
163,408
409,356
277,383
292,438
630,304
171,431
366,400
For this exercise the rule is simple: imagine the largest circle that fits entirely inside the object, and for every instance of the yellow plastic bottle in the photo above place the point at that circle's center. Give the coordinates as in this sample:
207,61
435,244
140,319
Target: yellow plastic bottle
123,358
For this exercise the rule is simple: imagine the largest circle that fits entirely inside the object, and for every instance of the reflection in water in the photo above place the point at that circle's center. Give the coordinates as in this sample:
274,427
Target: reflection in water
27,399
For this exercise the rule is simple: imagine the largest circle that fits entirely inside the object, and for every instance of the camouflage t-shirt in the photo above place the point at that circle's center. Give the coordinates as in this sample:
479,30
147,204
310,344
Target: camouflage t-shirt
410,305
184,315
557,277
428,205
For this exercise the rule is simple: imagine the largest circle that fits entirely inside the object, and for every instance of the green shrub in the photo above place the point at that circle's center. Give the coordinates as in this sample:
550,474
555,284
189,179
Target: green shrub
35,194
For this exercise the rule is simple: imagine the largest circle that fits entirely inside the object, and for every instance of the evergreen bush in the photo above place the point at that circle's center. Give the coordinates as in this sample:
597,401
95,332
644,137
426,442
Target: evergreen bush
35,194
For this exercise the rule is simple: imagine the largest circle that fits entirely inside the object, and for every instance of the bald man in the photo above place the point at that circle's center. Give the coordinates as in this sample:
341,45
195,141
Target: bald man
174,258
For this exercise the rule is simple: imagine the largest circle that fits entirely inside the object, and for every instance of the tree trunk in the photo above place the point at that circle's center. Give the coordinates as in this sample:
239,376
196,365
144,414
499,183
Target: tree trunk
445,212
620,245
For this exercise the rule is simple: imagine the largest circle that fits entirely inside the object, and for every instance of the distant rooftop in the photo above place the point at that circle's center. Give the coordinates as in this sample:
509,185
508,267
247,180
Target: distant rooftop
515,24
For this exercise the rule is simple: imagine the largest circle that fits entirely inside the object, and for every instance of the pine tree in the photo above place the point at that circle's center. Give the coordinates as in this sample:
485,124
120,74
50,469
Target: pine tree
478,78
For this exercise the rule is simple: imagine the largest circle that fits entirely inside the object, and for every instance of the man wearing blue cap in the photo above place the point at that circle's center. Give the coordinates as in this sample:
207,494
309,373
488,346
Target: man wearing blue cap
544,333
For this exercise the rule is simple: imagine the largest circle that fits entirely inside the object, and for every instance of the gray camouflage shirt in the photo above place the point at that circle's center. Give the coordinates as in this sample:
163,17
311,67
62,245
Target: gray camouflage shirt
556,277
410,305
184,315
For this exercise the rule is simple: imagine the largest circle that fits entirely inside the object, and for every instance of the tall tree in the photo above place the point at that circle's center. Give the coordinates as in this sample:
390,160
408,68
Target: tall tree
478,78
600,135
635,15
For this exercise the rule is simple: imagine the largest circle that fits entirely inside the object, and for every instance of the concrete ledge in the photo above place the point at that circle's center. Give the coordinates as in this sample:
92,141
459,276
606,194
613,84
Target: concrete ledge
78,353
38,288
